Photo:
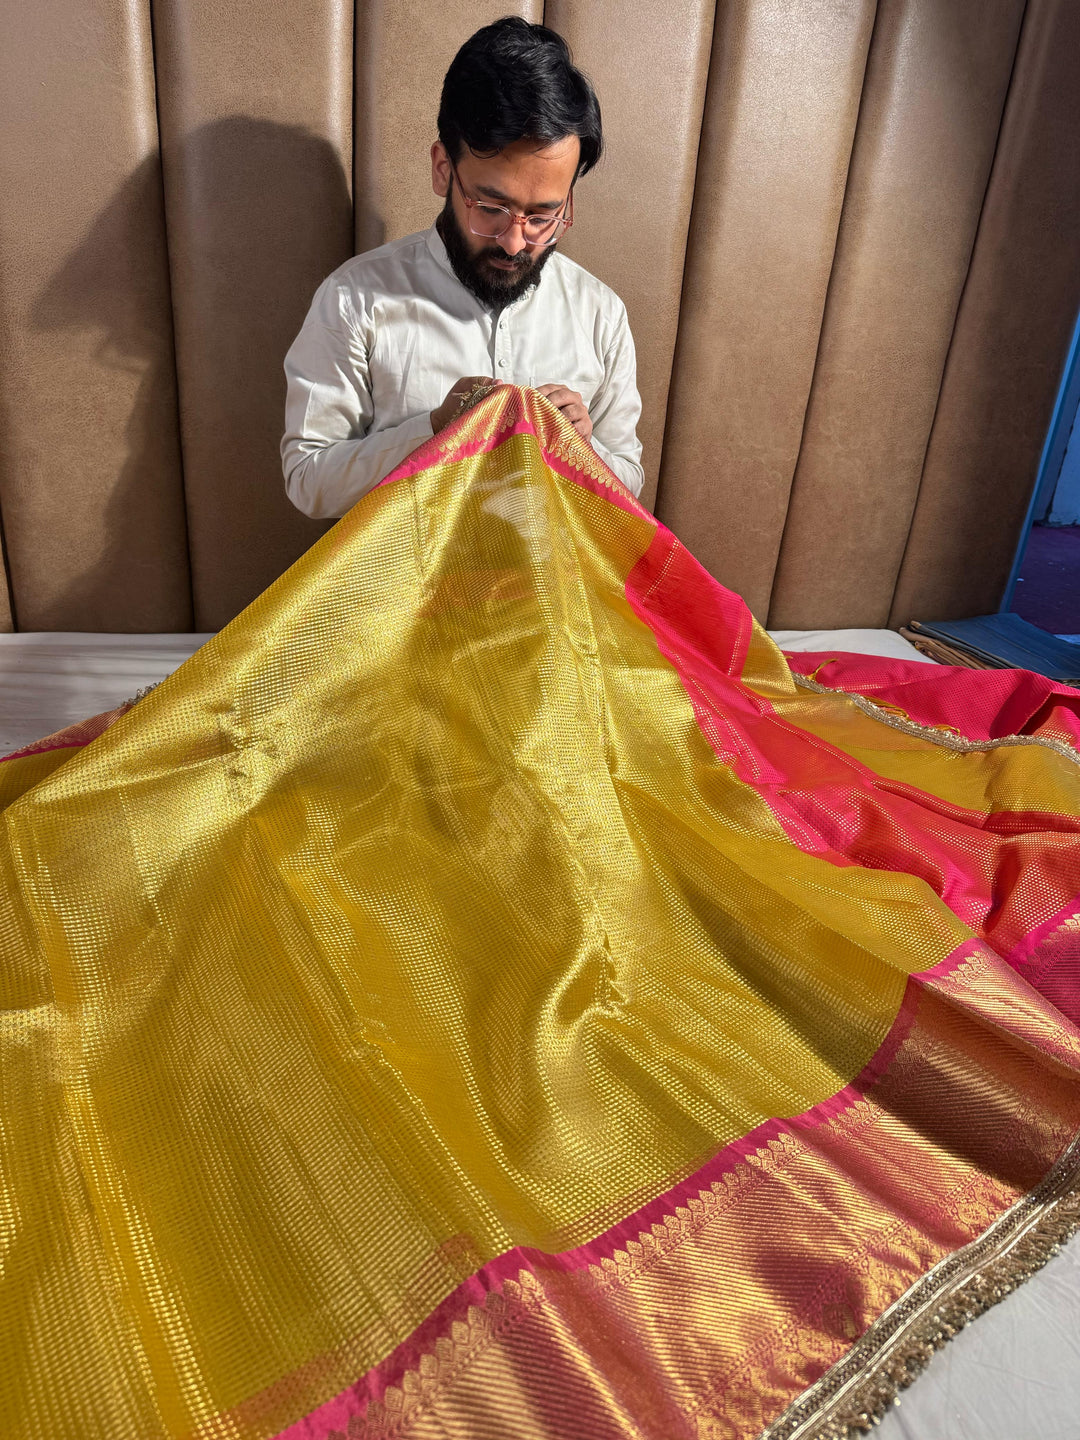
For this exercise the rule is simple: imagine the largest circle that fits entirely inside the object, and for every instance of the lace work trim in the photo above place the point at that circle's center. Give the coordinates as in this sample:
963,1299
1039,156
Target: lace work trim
854,1395
141,693
938,735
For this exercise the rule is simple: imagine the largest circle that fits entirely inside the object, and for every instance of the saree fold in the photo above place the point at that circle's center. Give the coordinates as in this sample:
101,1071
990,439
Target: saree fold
487,992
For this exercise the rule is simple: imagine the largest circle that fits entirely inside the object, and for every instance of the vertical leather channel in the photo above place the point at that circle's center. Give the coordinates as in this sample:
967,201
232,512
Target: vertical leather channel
649,65
90,484
403,49
7,617
936,82
255,102
780,114
1011,339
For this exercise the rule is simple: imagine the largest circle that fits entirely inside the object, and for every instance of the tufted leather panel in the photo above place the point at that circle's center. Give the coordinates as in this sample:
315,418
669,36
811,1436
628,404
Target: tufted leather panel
832,212
7,618
403,50
935,88
633,211
1011,338
89,462
255,100
783,97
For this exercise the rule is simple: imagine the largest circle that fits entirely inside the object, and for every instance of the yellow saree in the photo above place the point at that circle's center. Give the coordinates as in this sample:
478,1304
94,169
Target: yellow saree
485,991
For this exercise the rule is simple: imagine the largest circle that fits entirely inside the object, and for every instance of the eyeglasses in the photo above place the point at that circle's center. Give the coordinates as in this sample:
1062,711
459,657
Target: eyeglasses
491,222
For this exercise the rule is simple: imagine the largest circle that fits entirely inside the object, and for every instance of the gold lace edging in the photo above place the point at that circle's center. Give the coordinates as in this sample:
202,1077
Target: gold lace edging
935,734
141,693
856,1392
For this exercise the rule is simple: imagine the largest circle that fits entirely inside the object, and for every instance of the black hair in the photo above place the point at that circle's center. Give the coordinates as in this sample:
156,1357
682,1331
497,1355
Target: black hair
516,81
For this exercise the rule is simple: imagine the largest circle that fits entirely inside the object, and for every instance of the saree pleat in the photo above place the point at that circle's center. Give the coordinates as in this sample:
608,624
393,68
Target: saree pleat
485,991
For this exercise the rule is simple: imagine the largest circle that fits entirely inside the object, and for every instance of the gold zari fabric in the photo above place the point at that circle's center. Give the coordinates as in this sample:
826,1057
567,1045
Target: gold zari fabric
481,993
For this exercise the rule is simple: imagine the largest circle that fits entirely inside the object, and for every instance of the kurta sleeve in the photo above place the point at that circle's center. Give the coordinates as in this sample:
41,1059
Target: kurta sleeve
328,456
616,407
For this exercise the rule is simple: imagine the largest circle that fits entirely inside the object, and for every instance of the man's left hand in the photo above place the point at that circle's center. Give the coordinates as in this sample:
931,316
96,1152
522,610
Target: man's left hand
571,405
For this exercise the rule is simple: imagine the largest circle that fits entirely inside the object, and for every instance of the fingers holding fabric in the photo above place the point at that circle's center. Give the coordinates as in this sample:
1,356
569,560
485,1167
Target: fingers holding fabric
462,396
572,406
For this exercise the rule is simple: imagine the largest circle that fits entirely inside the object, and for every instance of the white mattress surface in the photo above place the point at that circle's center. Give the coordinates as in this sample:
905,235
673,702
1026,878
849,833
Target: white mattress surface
53,679
1012,1375
859,642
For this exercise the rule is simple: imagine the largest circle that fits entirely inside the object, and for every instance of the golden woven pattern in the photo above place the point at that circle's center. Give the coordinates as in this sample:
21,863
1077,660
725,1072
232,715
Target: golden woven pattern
415,918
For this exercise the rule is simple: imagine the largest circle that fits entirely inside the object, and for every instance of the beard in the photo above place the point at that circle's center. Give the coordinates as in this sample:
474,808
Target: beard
492,287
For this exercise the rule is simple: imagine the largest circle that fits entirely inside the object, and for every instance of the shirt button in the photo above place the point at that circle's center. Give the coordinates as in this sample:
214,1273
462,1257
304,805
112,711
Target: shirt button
503,364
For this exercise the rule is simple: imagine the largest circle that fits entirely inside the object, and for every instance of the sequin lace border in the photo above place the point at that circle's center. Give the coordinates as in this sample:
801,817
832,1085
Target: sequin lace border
856,1392
934,733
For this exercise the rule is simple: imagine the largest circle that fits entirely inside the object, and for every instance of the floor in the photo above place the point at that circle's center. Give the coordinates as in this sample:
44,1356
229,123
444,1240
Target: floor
1048,589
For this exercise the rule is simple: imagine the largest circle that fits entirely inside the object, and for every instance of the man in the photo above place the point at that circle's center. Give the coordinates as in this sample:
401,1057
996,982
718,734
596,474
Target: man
399,339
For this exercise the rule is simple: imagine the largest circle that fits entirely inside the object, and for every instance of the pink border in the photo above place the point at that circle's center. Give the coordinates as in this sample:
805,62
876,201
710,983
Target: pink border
37,748
691,617
523,412
336,1414
72,737
1001,703
1022,953
428,453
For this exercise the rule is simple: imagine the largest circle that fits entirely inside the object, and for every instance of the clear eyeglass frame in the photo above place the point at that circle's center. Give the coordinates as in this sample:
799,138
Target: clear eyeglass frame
481,213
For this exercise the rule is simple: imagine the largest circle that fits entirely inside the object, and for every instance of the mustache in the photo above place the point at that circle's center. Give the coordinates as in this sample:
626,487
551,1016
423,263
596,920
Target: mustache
521,261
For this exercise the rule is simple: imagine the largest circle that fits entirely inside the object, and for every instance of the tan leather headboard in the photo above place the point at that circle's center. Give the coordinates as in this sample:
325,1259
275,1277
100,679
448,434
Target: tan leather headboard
844,231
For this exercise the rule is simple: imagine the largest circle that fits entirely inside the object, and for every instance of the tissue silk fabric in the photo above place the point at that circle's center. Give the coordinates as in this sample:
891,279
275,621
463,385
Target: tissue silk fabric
485,993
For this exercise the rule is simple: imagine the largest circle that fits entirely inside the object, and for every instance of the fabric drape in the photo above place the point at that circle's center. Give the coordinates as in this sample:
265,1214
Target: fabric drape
486,991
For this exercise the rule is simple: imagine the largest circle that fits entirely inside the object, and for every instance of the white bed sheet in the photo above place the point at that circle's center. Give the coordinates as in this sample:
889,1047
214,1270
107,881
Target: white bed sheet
1012,1375
860,642
53,679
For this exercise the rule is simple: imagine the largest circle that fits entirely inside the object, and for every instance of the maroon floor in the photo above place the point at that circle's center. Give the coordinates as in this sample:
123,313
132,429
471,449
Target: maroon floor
1048,591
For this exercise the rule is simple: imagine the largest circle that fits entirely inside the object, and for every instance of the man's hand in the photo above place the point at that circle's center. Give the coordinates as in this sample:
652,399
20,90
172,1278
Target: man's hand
451,406
571,405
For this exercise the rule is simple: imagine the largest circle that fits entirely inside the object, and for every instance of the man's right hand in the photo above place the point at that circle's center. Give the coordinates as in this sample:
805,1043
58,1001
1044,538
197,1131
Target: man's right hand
449,408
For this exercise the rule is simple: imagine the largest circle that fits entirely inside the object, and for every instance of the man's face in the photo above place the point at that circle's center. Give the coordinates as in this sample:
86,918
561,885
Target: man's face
529,180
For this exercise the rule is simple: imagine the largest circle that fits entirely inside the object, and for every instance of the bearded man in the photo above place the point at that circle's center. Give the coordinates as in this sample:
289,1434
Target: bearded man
400,339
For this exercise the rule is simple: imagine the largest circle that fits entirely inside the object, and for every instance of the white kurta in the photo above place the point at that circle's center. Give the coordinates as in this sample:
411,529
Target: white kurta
389,333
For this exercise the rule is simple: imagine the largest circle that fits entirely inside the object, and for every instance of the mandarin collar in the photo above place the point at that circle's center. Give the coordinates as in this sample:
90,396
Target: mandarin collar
438,252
